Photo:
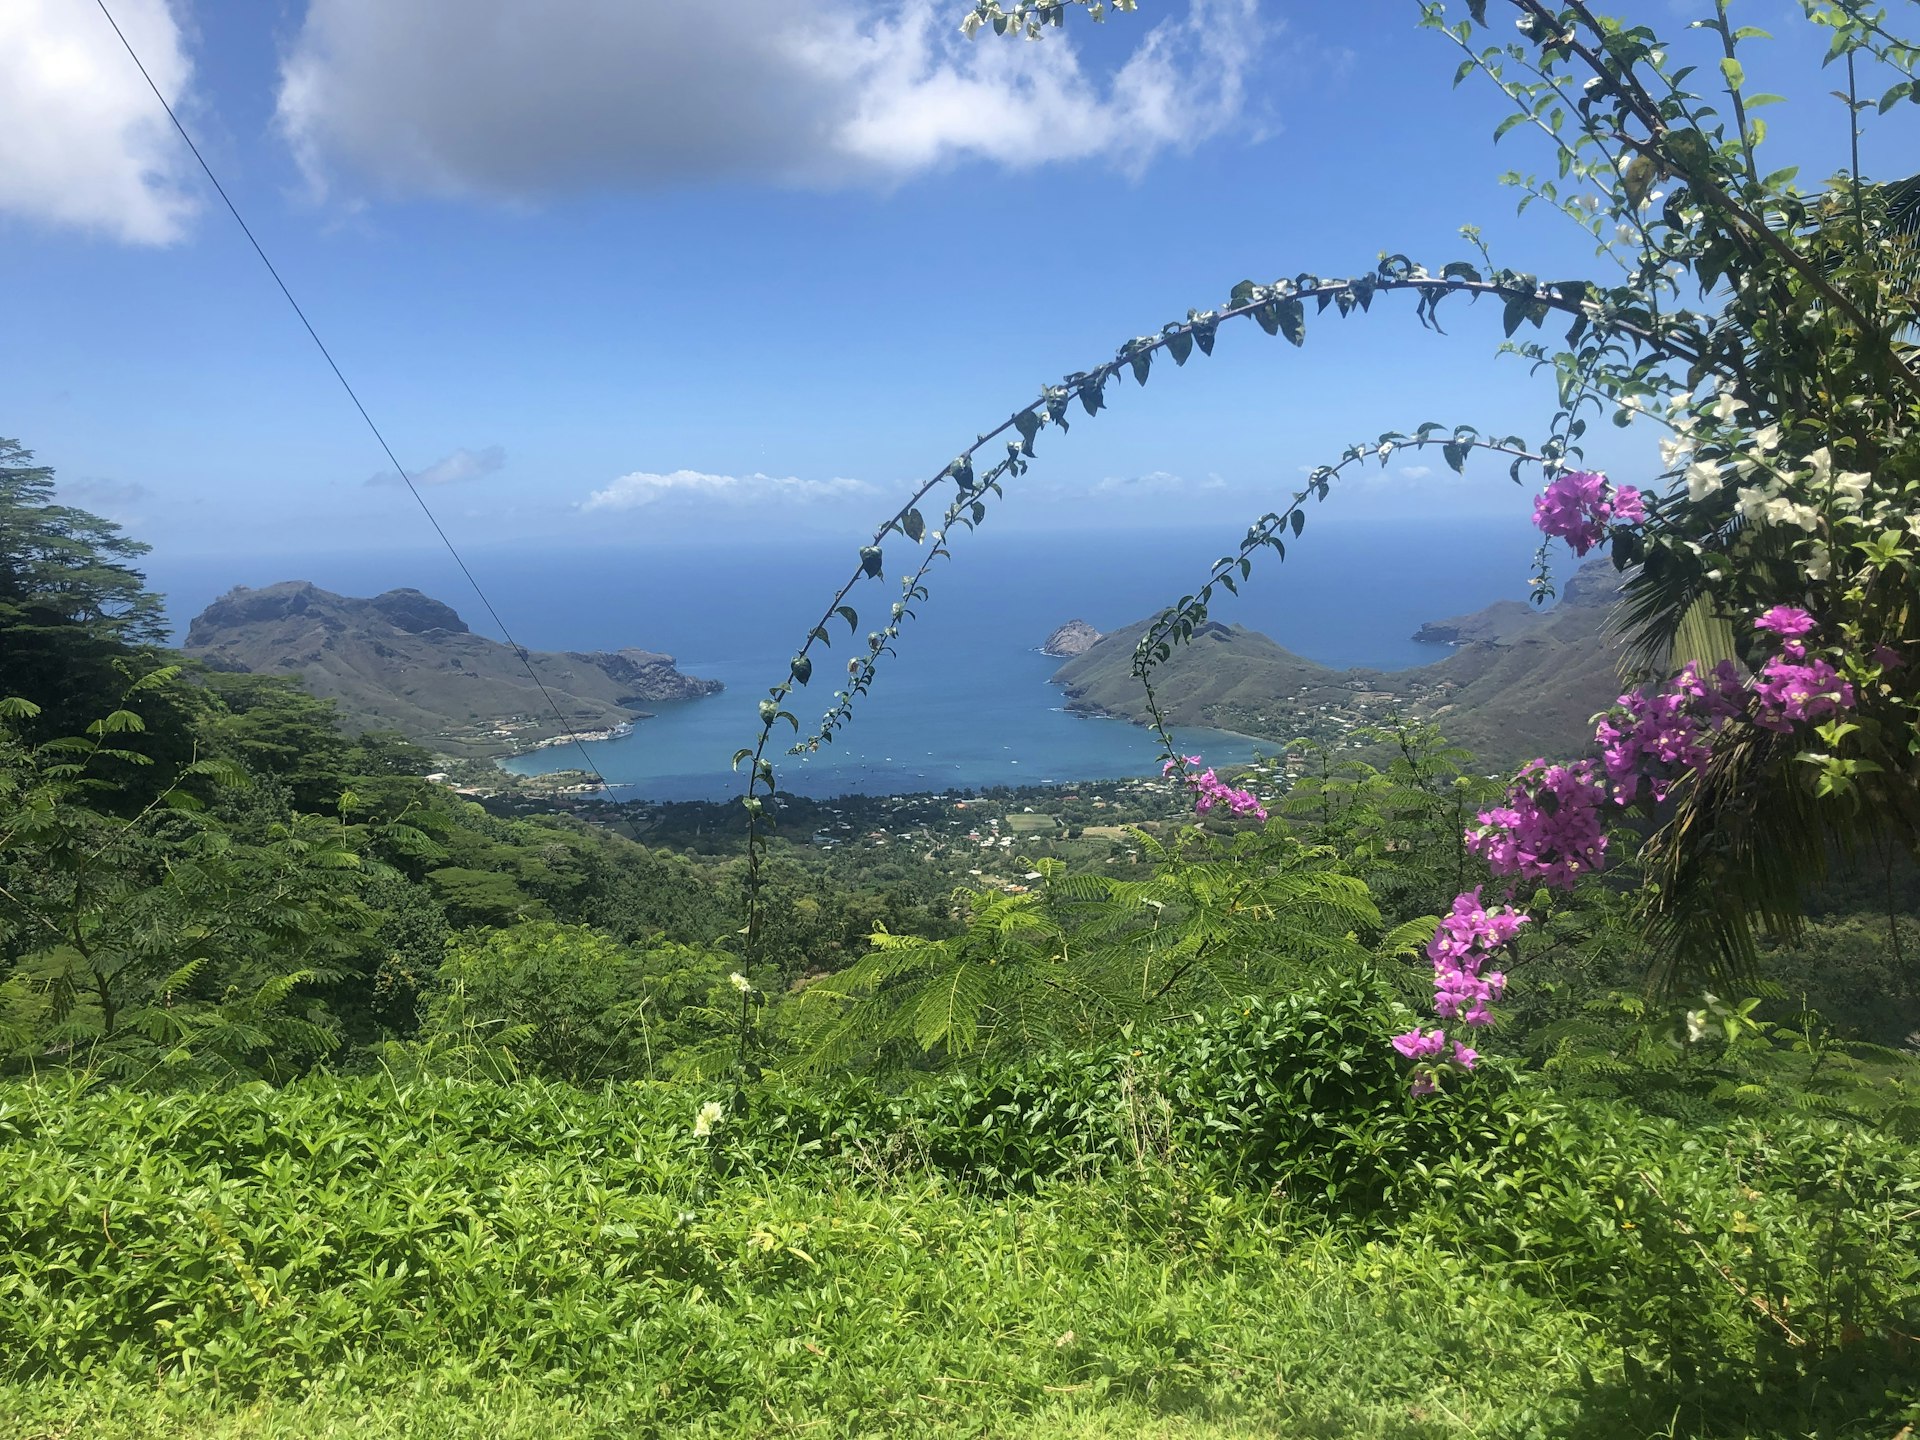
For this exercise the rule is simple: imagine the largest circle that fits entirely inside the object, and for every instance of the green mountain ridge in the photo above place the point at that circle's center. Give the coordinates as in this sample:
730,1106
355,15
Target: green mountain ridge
405,661
1518,683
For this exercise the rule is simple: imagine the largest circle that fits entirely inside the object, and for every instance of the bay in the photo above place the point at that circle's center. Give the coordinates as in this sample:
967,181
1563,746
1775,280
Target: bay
966,702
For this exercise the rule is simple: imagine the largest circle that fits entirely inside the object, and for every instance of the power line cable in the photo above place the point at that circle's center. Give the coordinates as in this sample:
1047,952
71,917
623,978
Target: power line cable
398,468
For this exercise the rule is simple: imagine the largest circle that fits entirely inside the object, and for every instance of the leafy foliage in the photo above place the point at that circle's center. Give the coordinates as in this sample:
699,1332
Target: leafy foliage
567,1003
71,603
1080,957
160,942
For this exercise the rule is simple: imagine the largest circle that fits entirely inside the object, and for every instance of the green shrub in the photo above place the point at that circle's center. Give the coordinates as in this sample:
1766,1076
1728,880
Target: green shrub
1743,1267
1300,1093
566,1002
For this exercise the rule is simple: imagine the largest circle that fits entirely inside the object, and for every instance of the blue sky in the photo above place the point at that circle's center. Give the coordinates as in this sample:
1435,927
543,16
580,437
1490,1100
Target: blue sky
756,267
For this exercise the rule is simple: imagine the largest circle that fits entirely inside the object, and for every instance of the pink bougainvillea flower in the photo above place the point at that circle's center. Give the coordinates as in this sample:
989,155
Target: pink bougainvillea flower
1629,506
1579,505
1418,1045
1210,790
1787,620
1549,830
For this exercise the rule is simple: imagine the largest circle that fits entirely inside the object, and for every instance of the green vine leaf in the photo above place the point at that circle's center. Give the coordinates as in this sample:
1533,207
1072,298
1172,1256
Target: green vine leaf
1292,320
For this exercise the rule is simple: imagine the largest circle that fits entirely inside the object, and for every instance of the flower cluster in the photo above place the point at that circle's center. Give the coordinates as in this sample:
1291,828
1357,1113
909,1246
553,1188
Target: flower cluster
1655,737
1467,939
1579,505
1549,830
1428,1046
1210,790
1789,621
1794,687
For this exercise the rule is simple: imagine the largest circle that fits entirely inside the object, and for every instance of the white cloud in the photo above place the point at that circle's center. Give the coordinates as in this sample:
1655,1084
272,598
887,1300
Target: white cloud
645,488
500,99
1153,483
462,464
1416,472
87,146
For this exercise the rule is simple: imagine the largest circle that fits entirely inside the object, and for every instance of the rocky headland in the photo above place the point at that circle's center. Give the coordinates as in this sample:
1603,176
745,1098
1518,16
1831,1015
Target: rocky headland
1518,682
1076,637
405,661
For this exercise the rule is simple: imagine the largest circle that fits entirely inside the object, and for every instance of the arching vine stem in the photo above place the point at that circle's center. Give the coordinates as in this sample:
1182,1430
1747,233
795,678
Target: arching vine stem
1278,308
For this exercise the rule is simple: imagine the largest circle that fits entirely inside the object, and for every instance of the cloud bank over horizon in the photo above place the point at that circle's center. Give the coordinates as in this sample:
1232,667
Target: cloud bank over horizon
489,99
642,487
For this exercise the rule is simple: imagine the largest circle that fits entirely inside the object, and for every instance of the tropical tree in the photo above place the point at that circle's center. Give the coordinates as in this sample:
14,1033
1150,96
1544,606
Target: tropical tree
160,944
74,612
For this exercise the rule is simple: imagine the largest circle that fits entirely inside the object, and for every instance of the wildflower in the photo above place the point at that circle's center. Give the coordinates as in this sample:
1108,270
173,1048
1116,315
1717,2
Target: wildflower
1850,488
1655,738
1782,511
1703,478
1793,687
740,983
1210,790
1466,939
708,1116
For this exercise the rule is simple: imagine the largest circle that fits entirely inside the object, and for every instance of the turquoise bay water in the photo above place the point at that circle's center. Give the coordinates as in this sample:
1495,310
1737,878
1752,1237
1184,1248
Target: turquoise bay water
961,726
967,702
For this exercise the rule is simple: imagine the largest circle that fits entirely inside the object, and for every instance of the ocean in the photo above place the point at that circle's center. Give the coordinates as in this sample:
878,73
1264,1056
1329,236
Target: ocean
966,702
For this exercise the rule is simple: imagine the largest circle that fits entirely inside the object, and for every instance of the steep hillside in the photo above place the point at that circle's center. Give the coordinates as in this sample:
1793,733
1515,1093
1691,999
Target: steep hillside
1534,685
1518,684
405,661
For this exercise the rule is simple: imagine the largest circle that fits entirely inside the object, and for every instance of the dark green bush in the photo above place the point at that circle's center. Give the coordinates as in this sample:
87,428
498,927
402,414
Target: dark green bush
1300,1094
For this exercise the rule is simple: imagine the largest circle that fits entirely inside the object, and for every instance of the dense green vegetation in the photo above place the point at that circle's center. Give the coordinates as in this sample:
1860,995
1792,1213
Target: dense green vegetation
1116,1151
1246,1219
333,1102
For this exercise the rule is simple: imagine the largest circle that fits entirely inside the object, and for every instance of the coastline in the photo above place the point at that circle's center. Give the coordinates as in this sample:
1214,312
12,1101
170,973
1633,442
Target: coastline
1086,710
